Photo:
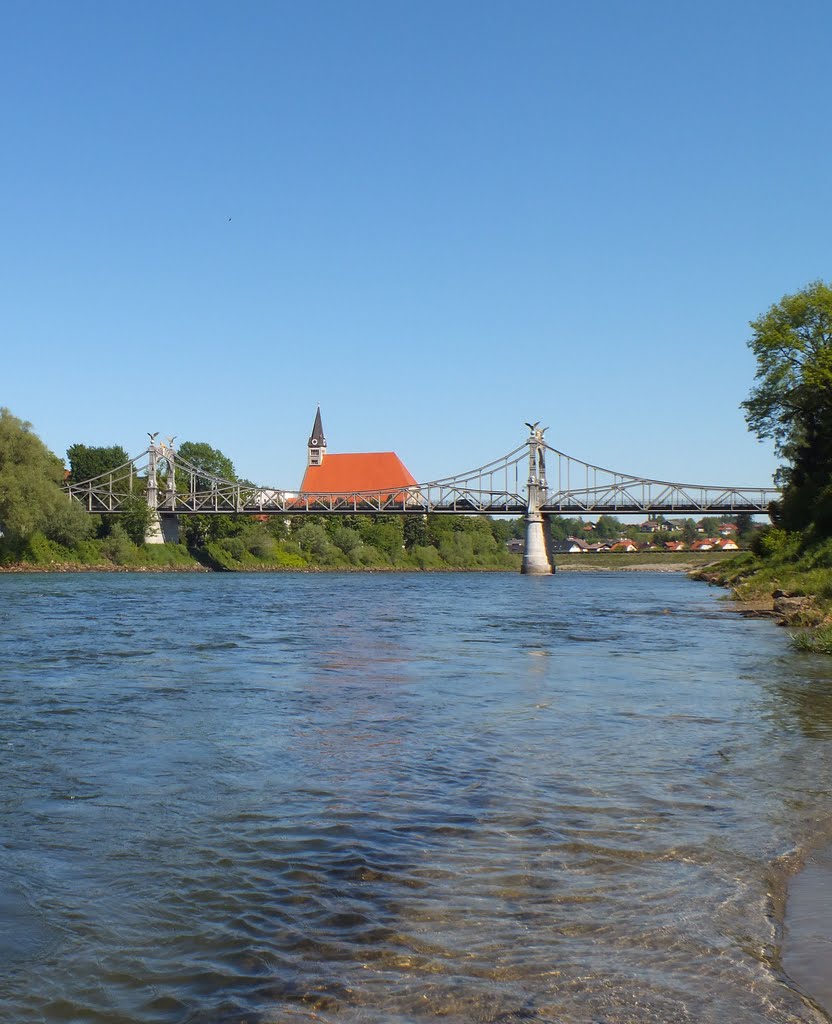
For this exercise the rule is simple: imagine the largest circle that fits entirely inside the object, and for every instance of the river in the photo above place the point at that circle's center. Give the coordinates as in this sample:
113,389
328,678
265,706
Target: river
394,798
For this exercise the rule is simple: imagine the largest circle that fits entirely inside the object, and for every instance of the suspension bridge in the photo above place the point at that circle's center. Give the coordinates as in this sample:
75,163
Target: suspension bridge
518,484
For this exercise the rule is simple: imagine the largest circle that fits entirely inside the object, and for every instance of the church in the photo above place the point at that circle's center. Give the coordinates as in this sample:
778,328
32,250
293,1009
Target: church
382,472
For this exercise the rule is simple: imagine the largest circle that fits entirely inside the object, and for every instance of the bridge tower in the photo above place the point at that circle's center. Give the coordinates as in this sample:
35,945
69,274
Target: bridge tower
537,558
164,528
153,534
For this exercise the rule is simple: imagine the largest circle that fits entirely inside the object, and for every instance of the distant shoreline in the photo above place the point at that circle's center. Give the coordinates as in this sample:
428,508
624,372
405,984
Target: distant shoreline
67,568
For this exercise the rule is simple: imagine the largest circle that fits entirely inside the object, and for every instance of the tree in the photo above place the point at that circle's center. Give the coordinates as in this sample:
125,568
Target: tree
792,401
86,462
31,497
415,531
197,531
608,528
745,526
135,518
211,460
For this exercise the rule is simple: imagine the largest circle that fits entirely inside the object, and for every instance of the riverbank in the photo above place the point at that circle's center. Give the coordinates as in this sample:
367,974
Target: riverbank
792,587
649,561
675,562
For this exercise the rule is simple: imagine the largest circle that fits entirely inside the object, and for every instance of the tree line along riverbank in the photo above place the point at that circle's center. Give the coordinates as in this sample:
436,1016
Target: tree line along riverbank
789,566
790,404
41,529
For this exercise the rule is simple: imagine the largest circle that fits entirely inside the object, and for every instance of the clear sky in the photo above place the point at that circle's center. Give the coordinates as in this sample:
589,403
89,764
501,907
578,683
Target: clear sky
437,219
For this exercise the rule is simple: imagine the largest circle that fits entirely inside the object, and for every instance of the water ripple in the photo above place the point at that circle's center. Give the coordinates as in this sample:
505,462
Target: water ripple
438,797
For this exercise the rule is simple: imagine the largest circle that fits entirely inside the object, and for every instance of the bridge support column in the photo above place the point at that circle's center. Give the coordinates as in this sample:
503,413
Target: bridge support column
154,534
537,553
536,558
170,527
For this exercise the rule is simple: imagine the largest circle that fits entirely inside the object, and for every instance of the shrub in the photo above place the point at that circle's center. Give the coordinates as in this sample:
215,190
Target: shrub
38,550
260,544
235,546
772,541
218,557
67,523
288,559
118,547
166,555
426,557
88,552
368,555
346,539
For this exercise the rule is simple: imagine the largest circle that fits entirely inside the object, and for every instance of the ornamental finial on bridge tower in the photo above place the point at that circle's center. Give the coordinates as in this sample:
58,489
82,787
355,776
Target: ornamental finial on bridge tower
317,442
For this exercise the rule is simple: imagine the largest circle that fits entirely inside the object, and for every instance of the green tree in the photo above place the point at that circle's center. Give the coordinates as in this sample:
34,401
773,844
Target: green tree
210,460
791,403
415,531
31,498
136,517
708,525
199,530
87,461
745,526
608,528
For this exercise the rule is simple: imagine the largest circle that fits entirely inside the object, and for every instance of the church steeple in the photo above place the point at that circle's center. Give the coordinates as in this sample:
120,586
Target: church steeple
317,442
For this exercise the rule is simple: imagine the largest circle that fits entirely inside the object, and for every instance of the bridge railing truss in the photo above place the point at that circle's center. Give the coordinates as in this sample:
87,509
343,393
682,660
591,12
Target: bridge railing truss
500,487
578,488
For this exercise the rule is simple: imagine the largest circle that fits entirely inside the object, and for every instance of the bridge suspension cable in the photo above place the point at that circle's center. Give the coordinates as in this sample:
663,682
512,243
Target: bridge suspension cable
500,487
577,487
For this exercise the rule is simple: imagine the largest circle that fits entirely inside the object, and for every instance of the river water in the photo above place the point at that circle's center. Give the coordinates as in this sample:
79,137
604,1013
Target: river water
401,798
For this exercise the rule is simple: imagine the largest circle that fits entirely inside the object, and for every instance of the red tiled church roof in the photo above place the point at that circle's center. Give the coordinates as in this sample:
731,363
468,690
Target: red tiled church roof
362,471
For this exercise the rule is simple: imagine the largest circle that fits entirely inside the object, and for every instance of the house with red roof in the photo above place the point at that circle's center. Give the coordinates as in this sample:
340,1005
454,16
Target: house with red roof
383,473
624,544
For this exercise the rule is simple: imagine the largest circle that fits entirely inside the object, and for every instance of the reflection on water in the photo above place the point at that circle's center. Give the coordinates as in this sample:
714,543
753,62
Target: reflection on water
393,798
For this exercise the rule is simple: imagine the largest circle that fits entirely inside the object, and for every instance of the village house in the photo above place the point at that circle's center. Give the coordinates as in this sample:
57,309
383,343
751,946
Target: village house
624,544
572,545
674,545
654,526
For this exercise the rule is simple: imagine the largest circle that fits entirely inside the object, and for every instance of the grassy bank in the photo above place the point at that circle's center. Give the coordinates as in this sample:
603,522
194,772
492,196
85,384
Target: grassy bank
255,551
790,575
670,561
117,553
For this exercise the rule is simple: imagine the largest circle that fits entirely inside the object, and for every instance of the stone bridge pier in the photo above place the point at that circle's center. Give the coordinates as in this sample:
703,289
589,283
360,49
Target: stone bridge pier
537,553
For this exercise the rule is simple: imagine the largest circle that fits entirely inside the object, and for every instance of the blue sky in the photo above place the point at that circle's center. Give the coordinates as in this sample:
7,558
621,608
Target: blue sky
436,219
